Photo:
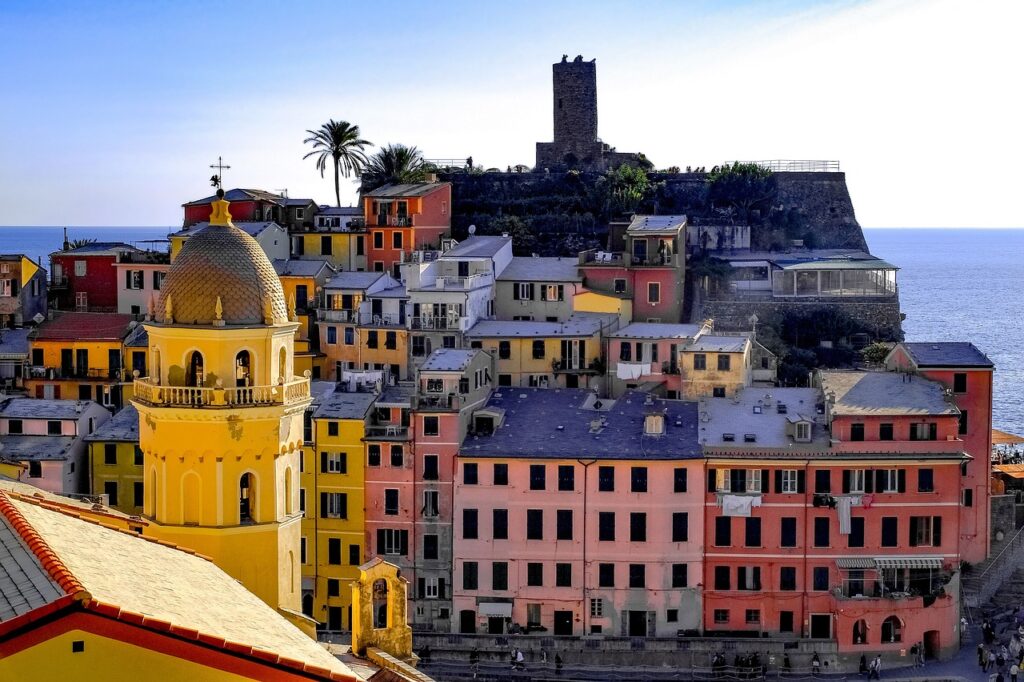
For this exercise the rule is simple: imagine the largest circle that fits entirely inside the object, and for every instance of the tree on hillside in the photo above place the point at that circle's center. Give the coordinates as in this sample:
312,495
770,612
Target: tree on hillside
744,186
524,241
395,163
338,141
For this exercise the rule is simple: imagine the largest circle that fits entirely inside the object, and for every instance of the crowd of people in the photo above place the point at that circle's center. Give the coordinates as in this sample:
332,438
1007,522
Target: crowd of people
1001,660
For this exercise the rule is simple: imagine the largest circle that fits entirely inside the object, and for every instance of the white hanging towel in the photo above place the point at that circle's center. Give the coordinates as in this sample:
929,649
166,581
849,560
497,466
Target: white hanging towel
843,505
736,505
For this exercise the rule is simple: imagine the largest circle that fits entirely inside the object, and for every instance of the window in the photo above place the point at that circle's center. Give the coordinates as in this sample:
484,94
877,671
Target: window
853,481
522,291
596,607
723,531
637,575
653,292
606,575
606,479
857,431
606,526
856,536
700,362
821,535
397,456
823,481
563,524
373,455
333,587
332,335
391,541
723,363
470,579
431,503
53,428
430,469
371,338
892,629
638,527
566,477
679,480
752,532
885,432
535,574
430,426
139,491
350,336
469,473
504,350
469,524
332,428
396,240
110,490
923,431
499,524
803,432
15,426
638,479
534,524
968,497
501,474
960,382
925,480
563,575
80,266
499,575
538,349
962,423
391,501
110,453
619,286
890,531
419,346
748,578
718,392
787,534
681,526
430,547
723,580
925,531
753,616
820,576
333,463
354,556
787,578
35,469
787,480
334,551
334,505
378,240
537,476
679,577
721,616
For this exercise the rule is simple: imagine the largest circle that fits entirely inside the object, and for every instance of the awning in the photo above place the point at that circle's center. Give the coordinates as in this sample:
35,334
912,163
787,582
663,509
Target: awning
909,562
1011,470
490,608
855,562
1005,438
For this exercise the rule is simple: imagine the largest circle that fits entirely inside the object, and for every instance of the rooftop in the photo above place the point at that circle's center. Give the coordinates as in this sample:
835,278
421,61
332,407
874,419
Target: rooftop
137,337
14,343
82,327
391,292
122,427
579,324
42,408
416,189
884,393
761,415
449,359
240,195
349,279
300,268
97,249
709,343
563,423
297,202
657,330
528,269
35,448
340,405
399,395
150,585
477,246
947,354
253,229
326,210
656,224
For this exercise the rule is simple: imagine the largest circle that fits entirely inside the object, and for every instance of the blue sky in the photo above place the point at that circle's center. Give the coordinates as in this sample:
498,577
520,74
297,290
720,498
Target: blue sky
113,112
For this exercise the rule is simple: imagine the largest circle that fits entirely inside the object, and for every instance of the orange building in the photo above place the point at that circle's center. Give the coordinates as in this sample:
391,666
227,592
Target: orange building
401,219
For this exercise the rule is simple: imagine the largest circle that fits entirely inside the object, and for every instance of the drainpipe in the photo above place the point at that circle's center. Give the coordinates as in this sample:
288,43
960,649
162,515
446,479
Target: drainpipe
585,606
805,617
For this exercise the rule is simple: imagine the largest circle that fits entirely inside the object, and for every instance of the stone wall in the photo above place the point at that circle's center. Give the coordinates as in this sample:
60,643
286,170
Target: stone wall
880,319
1003,515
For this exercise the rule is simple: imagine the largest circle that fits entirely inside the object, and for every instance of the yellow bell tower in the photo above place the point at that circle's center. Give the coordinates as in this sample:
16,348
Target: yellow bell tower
220,416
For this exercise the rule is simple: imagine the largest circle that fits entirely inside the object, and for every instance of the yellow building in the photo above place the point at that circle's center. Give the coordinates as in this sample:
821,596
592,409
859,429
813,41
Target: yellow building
221,414
546,354
333,528
115,461
301,280
715,365
345,249
113,605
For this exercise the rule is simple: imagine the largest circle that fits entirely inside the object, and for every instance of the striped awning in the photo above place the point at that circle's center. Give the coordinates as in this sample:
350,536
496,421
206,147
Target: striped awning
909,562
855,562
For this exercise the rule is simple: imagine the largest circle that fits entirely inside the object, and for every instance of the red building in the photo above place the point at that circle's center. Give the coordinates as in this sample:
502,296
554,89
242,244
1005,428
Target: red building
966,373
404,218
84,278
255,205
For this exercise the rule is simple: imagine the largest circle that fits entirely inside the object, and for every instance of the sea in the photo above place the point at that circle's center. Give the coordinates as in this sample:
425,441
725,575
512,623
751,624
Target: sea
955,285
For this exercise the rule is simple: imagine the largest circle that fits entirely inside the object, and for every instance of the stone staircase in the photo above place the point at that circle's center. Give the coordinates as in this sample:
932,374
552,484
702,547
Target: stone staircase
986,577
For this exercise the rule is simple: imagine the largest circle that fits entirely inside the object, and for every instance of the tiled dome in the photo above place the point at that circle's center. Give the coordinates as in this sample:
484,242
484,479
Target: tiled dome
222,261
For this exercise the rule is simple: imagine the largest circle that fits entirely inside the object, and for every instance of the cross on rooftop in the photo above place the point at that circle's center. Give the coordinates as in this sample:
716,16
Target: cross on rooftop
218,179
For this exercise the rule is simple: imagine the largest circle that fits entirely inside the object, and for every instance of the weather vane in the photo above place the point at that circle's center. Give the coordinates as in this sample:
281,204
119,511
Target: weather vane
218,179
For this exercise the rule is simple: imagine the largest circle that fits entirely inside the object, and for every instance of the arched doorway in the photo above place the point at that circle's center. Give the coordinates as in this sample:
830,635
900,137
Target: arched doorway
247,499
195,376
892,630
380,603
860,632
307,604
243,369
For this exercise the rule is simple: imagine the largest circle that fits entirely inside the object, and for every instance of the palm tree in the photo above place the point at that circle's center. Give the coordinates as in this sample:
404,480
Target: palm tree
396,164
338,141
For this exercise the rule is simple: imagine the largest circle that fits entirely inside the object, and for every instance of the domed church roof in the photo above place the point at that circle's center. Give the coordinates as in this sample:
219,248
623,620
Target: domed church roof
221,276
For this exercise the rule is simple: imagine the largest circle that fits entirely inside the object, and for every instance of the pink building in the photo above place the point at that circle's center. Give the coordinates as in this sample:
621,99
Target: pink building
578,515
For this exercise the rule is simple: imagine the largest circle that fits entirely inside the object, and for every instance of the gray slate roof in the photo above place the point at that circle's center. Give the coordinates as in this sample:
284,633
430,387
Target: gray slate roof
884,393
342,211
138,337
477,246
350,279
449,359
14,342
41,408
393,292
123,427
416,189
719,344
35,448
340,405
947,354
528,269
556,423
253,229
580,324
768,426
24,583
656,224
300,267
656,330
240,195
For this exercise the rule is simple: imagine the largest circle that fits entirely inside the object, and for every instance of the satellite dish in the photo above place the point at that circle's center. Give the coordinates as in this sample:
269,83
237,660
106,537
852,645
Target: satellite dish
472,229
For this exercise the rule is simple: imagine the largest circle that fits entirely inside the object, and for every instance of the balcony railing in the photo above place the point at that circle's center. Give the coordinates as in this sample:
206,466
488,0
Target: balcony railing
441,322
353,317
439,401
387,432
148,392
470,282
654,260
94,373
384,220
595,257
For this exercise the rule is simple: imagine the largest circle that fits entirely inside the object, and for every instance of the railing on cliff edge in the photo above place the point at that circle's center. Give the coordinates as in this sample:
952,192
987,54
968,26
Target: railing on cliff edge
797,166
984,585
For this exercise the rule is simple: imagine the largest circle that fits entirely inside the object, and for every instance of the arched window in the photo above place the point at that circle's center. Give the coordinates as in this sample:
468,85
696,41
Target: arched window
247,499
191,499
195,376
307,605
288,491
892,630
156,365
243,371
380,603
283,364
860,632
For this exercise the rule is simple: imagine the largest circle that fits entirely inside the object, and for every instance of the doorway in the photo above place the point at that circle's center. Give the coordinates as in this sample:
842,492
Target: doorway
821,626
637,623
195,369
334,618
495,625
563,623
467,622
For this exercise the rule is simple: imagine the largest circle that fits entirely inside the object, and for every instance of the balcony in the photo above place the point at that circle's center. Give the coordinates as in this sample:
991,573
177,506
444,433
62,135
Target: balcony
577,366
439,401
387,432
362,319
462,283
655,260
72,373
385,220
153,394
449,323
595,257
58,282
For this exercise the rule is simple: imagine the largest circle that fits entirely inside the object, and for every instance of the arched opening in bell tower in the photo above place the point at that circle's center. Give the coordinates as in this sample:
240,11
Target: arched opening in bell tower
283,364
247,499
243,369
380,603
195,376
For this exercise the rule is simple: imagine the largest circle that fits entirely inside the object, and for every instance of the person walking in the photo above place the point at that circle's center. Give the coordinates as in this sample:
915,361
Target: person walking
990,661
1014,671
982,656
815,665
875,669
558,664
474,661
520,661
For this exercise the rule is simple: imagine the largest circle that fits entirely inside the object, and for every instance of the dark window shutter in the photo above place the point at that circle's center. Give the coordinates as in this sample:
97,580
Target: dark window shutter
936,531
741,577
764,480
901,480
323,505
757,577
531,291
711,480
561,292
403,539
127,279
778,480
801,481
933,431
15,286
323,462
440,588
913,531
380,541
421,588
515,291
846,480
869,481
880,480
823,481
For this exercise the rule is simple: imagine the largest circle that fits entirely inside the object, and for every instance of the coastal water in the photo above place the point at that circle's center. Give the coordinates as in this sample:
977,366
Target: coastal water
963,284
